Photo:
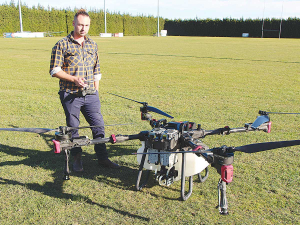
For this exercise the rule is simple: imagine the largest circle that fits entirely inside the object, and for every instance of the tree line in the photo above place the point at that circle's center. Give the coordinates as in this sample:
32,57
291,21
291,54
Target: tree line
59,22
287,28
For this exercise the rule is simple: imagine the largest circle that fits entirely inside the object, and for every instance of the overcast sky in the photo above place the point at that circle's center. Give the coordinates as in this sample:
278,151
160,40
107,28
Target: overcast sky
183,9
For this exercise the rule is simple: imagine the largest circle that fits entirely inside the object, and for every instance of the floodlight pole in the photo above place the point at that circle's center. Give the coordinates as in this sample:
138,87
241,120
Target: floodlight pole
157,18
105,17
262,28
20,15
281,22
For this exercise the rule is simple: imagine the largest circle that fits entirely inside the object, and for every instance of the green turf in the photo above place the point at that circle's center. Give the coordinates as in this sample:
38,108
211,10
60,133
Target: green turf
211,81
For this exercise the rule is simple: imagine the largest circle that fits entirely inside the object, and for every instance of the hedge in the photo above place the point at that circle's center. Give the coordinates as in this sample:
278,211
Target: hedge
59,22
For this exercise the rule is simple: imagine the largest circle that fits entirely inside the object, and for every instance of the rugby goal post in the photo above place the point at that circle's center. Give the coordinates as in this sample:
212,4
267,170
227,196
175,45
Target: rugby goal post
263,23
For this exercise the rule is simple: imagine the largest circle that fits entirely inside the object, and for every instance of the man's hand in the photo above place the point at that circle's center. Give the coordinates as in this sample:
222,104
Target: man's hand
80,82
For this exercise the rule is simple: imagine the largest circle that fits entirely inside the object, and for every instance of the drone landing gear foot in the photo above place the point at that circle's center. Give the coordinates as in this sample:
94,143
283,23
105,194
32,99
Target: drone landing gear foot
138,181
67,170
202,179
223,205
66,177
184,196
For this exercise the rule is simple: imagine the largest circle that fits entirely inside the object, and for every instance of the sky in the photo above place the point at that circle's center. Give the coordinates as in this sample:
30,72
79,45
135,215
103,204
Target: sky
182,9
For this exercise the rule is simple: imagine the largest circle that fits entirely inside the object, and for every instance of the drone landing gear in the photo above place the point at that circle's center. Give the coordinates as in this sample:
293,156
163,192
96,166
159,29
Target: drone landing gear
202,179
67,170
138,181
225,169
223,204
166,175
184,195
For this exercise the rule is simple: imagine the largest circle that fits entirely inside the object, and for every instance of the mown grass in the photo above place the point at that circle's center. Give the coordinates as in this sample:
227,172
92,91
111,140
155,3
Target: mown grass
211,81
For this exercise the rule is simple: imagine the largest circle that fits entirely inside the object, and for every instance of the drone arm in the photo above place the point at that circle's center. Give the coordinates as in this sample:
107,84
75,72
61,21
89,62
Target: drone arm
60,145
118,138
101,140
266,127
196,148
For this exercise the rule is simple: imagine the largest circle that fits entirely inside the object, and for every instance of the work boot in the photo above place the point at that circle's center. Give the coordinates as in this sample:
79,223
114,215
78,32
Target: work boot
108,164
77,165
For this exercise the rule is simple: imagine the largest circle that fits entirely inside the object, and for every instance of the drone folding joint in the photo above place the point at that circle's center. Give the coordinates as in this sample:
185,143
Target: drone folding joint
57,148
227,173
113,139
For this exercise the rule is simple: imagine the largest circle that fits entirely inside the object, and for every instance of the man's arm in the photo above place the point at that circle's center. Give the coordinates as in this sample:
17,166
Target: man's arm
97,72
79,81
96,84
55,67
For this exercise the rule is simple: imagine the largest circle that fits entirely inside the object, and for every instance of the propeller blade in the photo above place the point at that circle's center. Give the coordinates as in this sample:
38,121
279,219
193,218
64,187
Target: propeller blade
266,113
162,153
149,108
31,130
110,125
259,121
252,148
143,103
258,147
156,110
45,130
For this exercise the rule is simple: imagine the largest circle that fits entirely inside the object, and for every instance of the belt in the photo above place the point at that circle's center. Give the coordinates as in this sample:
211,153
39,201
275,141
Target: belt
84,92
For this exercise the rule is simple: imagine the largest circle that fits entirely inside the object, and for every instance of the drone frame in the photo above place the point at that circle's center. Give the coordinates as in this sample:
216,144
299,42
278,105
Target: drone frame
190,134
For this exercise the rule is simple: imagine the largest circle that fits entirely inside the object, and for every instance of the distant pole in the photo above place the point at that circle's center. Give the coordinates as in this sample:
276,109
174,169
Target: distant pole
20,15
158,18
105,17
281,21
262,28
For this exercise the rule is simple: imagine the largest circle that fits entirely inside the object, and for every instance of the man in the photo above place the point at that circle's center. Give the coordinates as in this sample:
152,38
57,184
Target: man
74,60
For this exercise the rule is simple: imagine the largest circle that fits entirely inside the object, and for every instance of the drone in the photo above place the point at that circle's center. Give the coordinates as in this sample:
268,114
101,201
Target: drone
173,150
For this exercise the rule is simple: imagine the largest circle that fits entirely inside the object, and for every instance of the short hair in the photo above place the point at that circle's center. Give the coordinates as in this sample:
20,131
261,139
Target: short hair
81,12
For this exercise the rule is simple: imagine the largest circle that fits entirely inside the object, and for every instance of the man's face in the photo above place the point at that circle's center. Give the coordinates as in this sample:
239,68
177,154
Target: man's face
81,26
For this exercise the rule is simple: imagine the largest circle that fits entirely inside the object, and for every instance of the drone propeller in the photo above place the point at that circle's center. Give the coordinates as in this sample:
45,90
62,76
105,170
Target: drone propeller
31,130
156,110
252,148
110,125
45,130
259,147
266,113
145,104
260,120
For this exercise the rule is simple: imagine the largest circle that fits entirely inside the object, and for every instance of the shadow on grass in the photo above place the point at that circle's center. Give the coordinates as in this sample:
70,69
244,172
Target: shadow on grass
45,189
47,160
202,57
126,176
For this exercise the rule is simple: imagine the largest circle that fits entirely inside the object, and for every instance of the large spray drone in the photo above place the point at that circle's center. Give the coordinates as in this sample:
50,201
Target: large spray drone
173,150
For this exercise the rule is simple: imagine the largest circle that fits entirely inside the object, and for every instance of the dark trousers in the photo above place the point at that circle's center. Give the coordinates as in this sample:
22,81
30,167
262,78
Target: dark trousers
89,106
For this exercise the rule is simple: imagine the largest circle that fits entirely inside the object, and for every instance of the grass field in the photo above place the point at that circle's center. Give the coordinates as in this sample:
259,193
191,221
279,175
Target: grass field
211,81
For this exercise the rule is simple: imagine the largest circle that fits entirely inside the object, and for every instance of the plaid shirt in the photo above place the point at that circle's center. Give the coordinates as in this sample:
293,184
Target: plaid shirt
76,60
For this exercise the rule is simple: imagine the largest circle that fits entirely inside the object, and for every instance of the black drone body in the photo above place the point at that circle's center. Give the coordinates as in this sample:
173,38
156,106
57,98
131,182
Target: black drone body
173,150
